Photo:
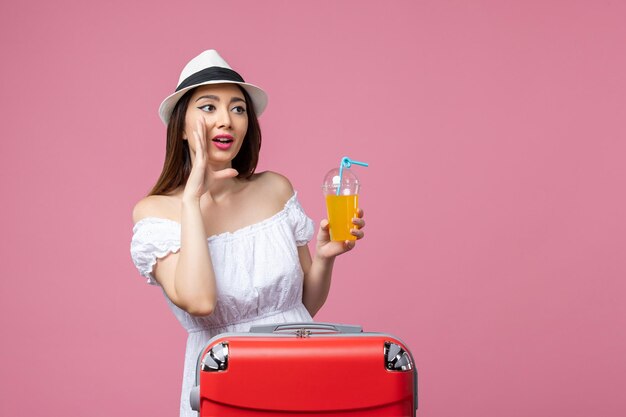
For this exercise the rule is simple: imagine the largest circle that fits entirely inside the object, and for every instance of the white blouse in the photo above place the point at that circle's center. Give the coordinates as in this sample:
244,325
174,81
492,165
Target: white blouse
257,272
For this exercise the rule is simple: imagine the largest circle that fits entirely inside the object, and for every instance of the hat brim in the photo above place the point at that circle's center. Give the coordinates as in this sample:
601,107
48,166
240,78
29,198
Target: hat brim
258,97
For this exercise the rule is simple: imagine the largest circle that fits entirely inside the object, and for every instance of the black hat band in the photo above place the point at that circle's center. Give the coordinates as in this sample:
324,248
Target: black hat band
210,74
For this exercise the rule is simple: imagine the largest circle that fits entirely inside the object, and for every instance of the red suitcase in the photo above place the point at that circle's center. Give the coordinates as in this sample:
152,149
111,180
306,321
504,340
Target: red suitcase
313,369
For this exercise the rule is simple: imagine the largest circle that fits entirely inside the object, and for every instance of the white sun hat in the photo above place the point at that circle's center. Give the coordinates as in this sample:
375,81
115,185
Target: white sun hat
210,68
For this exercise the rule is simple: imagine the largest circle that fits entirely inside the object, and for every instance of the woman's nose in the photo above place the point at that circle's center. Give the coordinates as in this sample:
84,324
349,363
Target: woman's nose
223,118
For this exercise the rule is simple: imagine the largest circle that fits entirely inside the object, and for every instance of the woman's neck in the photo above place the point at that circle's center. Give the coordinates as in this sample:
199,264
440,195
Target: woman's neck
220,189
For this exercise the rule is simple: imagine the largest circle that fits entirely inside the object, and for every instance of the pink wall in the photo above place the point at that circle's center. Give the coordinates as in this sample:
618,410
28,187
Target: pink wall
495,199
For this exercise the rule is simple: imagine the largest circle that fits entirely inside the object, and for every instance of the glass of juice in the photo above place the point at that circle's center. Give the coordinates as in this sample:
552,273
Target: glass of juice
342,202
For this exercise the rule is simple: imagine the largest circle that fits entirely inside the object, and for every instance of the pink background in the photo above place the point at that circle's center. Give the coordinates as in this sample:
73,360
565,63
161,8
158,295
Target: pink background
495,198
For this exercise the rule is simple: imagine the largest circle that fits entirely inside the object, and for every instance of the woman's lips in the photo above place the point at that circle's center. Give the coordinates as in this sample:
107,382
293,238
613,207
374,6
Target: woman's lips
223,142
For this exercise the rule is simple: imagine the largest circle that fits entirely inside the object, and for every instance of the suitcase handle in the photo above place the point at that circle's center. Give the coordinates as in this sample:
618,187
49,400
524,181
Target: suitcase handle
309,327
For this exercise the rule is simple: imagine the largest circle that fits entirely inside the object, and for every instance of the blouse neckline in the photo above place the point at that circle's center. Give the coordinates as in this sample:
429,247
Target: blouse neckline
241,231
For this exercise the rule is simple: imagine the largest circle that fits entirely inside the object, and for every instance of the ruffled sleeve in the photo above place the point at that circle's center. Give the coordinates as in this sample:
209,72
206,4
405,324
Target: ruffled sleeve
302,225
153,238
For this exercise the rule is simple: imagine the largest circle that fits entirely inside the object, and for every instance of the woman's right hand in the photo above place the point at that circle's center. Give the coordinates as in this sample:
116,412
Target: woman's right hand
201,175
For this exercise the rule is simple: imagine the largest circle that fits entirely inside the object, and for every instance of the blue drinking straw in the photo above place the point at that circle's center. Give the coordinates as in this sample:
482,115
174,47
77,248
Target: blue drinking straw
347,162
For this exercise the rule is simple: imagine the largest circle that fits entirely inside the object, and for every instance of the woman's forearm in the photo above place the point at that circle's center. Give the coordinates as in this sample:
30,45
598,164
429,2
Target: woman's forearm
317,283
194,280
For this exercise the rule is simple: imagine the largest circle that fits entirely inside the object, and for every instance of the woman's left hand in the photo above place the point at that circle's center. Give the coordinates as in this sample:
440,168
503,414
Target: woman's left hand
327,248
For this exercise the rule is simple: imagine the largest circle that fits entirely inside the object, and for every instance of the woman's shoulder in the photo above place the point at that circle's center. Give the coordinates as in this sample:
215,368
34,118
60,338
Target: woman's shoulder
161,206
273,183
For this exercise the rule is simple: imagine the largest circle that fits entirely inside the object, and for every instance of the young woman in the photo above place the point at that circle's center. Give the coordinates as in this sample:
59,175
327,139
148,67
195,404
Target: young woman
227,246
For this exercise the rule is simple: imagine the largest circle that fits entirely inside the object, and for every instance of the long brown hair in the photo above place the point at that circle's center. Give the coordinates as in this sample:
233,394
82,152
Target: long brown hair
177,165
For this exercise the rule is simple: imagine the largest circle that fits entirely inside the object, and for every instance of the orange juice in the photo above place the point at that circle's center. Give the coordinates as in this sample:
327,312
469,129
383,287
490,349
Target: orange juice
341,209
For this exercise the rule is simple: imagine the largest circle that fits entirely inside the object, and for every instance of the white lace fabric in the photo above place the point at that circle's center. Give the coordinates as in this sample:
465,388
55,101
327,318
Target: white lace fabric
257,271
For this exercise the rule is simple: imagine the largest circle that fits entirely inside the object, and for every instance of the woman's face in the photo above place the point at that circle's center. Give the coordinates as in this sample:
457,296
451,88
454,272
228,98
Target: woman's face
224,111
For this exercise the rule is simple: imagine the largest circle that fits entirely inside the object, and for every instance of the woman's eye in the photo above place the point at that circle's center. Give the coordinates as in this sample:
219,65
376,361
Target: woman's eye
239,109
207,107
